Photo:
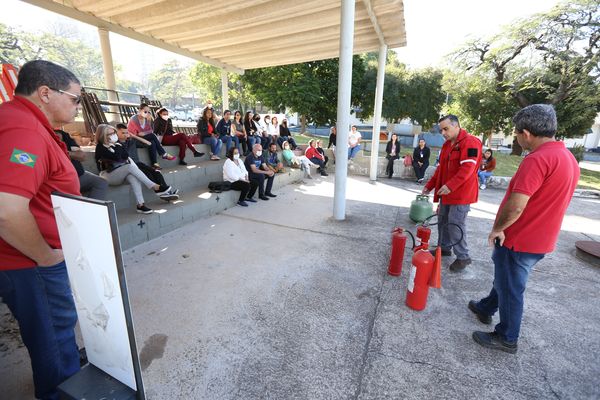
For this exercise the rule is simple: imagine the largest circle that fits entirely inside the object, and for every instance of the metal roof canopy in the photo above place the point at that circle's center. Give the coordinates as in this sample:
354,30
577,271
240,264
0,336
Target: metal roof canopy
240,35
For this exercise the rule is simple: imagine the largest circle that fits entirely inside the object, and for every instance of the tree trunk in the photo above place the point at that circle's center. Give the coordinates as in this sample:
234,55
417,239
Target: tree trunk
517,150
302,124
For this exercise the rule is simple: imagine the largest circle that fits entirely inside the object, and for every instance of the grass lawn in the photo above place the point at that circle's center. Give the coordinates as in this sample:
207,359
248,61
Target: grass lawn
506,165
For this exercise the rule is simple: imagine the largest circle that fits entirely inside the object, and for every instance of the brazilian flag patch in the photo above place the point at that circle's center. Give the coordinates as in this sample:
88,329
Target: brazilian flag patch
23,158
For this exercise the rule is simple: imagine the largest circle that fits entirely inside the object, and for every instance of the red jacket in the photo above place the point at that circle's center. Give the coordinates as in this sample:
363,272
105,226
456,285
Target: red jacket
311,152
459,163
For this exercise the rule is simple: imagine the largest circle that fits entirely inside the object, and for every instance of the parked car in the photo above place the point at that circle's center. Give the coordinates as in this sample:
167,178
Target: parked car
180,115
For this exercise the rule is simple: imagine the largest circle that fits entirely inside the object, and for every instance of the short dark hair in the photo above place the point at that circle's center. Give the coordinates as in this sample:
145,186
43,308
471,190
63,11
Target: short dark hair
230,152
143,105
538,119
226,111
34,74
450,117
121,126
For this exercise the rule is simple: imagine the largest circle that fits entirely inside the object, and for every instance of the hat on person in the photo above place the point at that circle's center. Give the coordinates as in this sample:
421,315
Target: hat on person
161,110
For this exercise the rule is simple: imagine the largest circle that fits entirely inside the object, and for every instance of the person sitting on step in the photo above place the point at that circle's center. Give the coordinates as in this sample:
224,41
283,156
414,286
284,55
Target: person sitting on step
285,135
319,148
294,161
315,157
208,133
234,171
141,125
257,168
354,138
116,167
488,164
227,134
420,162
392,150
129,142
163,127
273,162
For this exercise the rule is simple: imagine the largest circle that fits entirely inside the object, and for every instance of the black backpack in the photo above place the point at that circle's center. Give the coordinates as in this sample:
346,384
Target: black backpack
219,186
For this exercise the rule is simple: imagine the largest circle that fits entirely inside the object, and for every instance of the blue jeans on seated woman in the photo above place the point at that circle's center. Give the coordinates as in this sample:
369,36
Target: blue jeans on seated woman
511,270
214,143
483,176
40,299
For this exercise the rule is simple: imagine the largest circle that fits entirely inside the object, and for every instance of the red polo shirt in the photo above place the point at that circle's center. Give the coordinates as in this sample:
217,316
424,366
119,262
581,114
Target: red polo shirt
34,163
549,175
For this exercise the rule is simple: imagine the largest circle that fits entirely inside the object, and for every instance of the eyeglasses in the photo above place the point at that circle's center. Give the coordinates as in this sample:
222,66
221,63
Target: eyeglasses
76,97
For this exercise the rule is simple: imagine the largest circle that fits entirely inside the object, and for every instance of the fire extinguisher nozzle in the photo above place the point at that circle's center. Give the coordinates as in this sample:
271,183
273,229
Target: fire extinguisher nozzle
436,274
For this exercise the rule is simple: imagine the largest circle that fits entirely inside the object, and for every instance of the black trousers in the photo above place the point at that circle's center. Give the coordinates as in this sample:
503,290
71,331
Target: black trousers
389,169
420,171
259,181
244,187
152,174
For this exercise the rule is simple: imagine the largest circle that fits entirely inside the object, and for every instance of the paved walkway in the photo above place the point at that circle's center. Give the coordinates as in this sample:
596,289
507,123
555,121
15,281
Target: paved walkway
279,301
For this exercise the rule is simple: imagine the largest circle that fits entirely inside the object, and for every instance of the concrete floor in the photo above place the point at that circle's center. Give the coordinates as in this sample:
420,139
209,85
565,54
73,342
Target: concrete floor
279,301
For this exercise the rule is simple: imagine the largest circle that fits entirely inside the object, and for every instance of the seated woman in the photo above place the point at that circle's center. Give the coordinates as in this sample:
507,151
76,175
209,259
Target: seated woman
265,139
208,132
488,164
163,127
141,125
251,131
273,129
392,150
420,162
237,129
322,152
295,161
226,133
285,135
116,167
315,157
234,171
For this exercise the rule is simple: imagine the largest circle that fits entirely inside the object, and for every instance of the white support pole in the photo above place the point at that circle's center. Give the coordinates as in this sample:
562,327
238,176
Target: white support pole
343,108
377,113
225,89
107,63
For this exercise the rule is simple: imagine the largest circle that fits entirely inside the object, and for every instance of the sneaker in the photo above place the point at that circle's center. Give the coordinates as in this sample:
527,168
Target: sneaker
169,197
167,156
482,187
163,190
420,180
174,191
143,209
323,173
270,195
215,158
250,199
492,340
309,177
485,319
181,162
458,265
445,253
156,166
242,203
198,154
263,198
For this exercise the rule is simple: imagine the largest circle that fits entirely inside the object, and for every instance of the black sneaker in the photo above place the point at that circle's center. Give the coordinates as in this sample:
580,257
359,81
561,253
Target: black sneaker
270,195
163,190
486,319
143,209
169,197
242,203
323,173
198,154
181,162
250,199
445,253
458,265
492,340
263,197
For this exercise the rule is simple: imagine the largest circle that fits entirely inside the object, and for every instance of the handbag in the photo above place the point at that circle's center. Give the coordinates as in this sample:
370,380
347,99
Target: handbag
408,160
219,186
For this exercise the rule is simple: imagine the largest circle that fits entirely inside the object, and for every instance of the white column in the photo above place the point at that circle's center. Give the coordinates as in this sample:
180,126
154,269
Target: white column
225,89
377,112
343,108
107,63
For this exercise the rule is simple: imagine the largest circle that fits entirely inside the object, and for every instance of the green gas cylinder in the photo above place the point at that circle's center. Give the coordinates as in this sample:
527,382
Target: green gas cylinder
420,208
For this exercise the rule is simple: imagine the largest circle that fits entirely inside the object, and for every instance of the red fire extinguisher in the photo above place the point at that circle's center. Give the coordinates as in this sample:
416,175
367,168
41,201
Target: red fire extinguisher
422,273
397,255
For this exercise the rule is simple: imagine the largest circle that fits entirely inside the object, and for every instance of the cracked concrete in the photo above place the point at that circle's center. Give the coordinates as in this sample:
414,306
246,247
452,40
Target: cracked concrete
279,301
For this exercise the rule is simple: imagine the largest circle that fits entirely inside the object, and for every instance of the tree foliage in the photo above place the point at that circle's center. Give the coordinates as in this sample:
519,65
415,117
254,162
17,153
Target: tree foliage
206,79
171,83
416,95
550,58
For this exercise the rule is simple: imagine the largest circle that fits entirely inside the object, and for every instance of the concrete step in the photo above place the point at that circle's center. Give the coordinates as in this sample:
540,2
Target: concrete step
193,204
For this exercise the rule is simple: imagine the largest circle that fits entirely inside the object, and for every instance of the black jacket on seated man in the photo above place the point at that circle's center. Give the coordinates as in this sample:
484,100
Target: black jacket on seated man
90,185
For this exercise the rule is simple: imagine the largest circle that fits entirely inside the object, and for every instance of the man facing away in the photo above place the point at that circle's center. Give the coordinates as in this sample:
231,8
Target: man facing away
527,224
456,187
33,275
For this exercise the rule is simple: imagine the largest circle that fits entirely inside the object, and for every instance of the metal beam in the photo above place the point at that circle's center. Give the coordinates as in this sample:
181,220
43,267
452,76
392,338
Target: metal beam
100,23
373,18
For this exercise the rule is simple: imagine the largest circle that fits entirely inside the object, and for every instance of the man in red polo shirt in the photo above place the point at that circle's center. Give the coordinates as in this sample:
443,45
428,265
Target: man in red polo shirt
527,224
33,276
456,187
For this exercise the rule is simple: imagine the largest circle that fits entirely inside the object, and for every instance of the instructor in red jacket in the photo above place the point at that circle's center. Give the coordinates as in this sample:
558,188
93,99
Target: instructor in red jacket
455,187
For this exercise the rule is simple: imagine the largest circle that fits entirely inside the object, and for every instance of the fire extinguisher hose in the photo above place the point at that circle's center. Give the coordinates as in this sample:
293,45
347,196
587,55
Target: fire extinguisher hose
426,223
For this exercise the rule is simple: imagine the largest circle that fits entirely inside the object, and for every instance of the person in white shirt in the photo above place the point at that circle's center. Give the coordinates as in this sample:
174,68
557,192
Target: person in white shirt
353,142
234,171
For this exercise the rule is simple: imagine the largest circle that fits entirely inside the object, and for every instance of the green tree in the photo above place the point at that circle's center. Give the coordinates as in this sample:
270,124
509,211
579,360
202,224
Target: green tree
170,83
206,80
550,58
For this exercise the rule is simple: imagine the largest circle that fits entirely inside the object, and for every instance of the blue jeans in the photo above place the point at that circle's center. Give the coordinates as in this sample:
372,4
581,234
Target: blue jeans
230,141
352,151
252,140
214,143
40,299
511,270
483,176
